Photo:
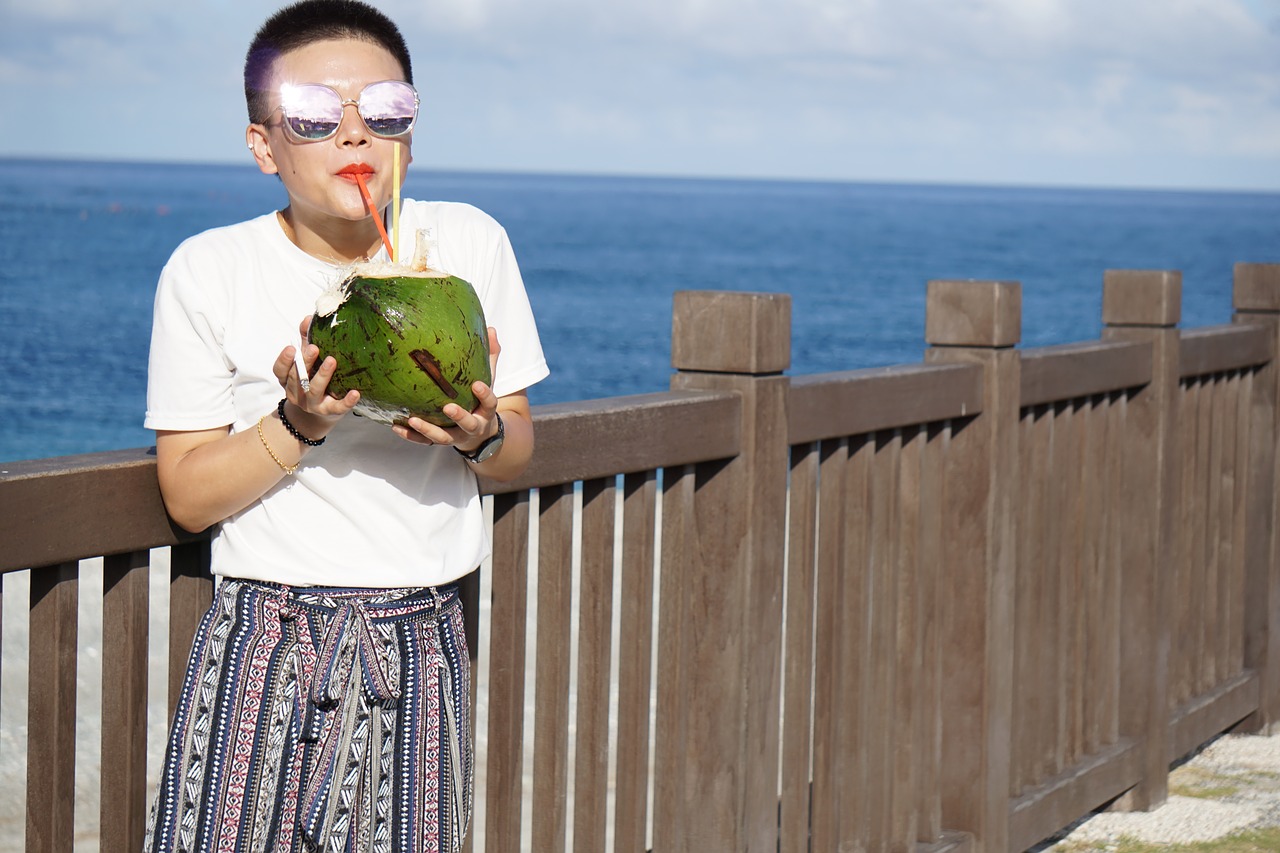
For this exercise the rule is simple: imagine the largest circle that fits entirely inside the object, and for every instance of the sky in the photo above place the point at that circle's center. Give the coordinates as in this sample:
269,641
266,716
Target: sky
1117,93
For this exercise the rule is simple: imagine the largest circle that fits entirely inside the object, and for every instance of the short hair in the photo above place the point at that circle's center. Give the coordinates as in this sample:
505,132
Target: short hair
307,22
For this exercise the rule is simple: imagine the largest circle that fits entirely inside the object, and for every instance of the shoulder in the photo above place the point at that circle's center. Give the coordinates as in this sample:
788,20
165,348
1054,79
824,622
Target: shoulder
224,243
205,269
456,217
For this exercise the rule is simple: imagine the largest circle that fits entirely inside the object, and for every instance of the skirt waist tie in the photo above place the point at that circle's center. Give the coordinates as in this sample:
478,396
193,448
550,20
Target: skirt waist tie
349,709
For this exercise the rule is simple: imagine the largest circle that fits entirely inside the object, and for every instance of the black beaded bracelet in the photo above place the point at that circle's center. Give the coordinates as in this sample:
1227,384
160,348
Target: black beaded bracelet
293,430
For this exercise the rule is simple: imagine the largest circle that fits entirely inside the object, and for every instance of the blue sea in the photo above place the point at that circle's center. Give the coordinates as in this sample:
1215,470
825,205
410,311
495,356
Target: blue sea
84,242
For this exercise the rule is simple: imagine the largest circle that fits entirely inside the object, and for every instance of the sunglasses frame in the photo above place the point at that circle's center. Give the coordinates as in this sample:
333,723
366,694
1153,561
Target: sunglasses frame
343,103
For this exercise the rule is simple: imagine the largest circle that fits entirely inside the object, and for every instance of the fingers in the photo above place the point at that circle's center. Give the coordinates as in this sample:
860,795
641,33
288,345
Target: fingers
495,349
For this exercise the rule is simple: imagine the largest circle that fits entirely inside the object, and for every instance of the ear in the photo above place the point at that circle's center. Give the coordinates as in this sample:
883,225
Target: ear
256,137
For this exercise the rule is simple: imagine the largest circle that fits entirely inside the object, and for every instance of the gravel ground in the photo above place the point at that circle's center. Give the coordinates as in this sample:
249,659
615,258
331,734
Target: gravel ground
1232,785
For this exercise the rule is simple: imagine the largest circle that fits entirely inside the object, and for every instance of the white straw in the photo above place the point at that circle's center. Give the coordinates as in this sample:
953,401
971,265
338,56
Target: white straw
303,379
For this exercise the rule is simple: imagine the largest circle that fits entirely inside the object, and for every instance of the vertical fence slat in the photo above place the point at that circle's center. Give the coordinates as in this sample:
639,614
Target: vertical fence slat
125,590
1198,566
508,623
1112,568
829,670
551,673
1045,604
1091,603
1070,559
1211,639
797,708
635,661
852,631
1056,618
1025,689
1184,629
190,594
907,696
1239,533
882,612
673,680
929,721
595,647
51,709
1228,437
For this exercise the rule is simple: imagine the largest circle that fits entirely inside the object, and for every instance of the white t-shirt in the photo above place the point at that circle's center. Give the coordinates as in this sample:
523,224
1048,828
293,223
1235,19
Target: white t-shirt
368,508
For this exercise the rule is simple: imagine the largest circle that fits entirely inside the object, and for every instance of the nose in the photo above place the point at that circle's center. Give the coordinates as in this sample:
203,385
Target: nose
352,133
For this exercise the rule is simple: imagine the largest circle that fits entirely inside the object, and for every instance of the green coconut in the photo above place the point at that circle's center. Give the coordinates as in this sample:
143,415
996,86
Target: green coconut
409,340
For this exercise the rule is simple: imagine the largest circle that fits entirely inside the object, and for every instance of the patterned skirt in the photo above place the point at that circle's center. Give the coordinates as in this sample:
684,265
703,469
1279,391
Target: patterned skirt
320,719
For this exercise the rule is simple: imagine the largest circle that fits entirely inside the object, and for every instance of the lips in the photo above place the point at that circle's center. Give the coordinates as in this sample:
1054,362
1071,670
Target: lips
355,169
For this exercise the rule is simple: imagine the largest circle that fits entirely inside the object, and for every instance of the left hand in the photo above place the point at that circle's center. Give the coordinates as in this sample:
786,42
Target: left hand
472,428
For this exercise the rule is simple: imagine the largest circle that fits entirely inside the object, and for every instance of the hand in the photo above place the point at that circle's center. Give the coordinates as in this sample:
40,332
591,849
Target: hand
316,411
471,429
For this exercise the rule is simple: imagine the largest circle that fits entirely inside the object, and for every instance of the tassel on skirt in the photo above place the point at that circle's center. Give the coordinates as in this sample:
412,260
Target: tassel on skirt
320,719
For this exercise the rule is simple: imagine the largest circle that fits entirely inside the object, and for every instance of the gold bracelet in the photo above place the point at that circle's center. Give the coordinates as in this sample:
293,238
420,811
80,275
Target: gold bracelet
288,469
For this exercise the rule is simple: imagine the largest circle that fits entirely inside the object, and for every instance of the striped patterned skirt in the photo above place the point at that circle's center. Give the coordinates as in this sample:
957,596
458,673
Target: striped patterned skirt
320,719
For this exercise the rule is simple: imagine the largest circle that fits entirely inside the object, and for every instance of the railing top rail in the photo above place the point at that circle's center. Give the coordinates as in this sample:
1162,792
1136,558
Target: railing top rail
67,508
620,435
1230,346
855,402
1069,371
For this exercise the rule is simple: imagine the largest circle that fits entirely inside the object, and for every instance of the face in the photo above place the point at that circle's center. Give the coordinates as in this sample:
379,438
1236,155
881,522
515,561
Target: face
317,175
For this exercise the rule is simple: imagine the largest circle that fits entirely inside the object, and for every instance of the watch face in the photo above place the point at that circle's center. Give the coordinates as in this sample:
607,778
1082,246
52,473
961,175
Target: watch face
491,447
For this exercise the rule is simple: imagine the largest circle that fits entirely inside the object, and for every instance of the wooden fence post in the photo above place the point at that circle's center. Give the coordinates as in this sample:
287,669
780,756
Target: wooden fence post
979,322
726,579
1257,300
51,709
1145,306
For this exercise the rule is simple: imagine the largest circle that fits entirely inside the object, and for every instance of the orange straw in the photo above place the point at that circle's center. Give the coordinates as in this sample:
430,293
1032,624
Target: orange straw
377,219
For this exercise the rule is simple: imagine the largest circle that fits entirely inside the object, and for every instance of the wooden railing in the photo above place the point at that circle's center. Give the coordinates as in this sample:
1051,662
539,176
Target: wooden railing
946,606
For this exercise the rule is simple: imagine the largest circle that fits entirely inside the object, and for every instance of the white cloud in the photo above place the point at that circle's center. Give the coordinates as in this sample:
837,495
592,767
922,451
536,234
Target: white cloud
848,88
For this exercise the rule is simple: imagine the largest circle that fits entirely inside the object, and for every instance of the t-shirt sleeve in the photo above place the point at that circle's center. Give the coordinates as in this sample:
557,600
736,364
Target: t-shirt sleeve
475,246
521,361
189,381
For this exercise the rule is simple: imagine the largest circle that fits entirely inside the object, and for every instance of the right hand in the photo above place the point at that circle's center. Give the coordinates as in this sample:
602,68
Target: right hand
316,410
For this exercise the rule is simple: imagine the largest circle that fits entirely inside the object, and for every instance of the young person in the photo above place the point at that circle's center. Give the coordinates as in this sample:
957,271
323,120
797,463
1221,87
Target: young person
326,700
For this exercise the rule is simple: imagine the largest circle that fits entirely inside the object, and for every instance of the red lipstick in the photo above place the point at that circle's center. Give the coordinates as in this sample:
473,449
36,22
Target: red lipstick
351,171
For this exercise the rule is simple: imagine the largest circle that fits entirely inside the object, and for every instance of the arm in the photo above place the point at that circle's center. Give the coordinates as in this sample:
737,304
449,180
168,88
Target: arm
208,475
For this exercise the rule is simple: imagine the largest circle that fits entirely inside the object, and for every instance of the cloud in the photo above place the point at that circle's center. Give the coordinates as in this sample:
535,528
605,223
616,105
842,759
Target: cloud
967,89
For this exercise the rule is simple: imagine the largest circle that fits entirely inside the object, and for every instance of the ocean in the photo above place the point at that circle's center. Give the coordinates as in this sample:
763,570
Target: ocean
601,256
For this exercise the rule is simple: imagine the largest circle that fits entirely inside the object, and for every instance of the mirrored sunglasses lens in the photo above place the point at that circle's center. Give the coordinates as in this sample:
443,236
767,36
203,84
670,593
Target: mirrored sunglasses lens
388,108
313,112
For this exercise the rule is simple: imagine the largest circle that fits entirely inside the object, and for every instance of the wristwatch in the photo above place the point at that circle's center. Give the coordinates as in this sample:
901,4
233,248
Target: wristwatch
487,450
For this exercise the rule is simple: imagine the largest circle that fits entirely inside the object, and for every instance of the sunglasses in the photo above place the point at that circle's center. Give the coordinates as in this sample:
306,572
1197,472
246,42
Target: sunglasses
313,111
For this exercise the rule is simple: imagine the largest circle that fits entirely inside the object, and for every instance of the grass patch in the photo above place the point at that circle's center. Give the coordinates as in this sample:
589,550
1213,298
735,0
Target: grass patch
1266,840
1205,785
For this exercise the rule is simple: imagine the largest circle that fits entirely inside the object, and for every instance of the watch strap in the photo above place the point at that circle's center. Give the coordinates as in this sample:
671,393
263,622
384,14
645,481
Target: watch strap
479,454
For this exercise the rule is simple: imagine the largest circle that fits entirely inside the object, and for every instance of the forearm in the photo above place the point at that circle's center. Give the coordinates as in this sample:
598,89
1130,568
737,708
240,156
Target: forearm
208,476
517,442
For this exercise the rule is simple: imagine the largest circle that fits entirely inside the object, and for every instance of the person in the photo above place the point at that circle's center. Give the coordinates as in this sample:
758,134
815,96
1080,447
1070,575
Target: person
326,700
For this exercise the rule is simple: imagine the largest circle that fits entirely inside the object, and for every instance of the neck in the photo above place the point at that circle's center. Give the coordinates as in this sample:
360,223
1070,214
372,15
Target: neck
341,242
